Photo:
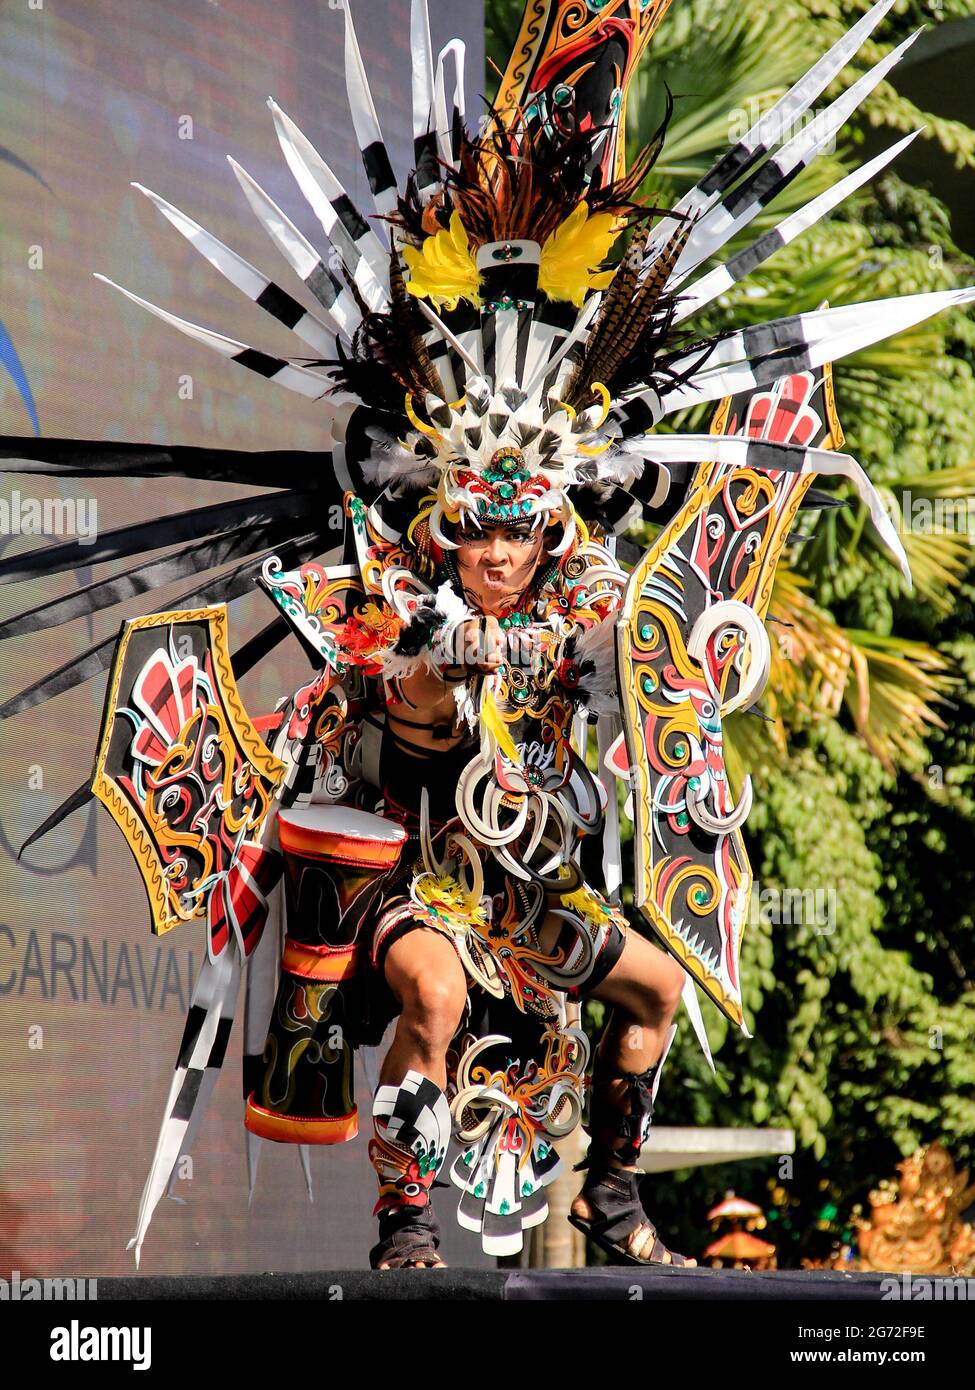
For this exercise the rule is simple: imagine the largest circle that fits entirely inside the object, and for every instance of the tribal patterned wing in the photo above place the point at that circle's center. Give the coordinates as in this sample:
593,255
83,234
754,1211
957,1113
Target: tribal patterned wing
570,70
692,647
187,778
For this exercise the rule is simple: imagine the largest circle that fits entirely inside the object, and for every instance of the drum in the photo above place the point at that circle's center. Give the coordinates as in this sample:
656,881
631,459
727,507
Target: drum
336,860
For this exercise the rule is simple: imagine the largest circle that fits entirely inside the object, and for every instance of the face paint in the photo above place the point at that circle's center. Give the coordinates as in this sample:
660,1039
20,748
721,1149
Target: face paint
496,565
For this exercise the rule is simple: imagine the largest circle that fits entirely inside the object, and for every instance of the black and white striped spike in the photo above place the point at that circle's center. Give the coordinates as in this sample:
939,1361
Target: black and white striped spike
715,228
298,251
767,132
435,130
245,277
201,1051
763,352
280,370
769,456
363,253
372,146
718,281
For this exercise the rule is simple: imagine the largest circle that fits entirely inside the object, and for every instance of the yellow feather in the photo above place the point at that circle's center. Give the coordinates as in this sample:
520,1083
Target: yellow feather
572,254
492,721
443,269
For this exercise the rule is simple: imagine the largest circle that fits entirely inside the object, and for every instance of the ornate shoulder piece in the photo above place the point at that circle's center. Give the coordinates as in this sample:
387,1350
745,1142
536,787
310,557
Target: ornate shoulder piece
337,622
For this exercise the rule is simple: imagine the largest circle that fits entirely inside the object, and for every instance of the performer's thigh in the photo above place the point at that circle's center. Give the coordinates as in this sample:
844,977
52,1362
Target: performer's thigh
423,968
643,970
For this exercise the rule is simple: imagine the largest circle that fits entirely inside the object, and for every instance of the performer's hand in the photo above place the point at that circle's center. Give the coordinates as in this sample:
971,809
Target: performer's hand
491,645
484,645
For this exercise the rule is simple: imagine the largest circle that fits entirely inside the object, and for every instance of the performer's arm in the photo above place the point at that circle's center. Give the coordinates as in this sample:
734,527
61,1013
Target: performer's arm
422,705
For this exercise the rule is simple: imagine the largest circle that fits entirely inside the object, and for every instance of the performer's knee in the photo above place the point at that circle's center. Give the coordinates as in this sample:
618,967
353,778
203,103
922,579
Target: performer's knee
669,988
433,1008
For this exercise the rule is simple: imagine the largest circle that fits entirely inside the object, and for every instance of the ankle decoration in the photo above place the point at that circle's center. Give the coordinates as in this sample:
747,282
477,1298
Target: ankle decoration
618,1129
412,1131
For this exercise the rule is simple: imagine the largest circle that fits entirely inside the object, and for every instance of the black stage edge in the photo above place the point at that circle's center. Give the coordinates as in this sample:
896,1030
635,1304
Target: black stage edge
470,1285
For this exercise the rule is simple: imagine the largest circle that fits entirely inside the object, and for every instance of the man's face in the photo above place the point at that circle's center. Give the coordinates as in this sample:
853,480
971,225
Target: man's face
497,564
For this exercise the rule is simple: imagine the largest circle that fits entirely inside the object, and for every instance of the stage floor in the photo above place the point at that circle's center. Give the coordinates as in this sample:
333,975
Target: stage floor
469,1285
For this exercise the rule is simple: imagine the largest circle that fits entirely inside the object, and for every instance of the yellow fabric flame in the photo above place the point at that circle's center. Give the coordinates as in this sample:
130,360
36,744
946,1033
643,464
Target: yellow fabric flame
443,269
572,252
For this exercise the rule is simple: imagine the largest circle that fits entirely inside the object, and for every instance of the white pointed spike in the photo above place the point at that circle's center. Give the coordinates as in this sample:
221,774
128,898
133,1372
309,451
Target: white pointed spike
693,1005
723,277
444,118
829,333
294,246
321,187
736,451
545,369
299,379
421,47
245,277
768,129
364,118
448,337
668,1044
214,992
304,1153
712,231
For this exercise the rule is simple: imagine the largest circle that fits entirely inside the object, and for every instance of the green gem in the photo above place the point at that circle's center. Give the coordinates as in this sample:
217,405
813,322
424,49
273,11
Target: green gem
700,896
645,632
479,1190
694,783
469,1157
506,490
504,1207
680,750
527,1189
506,623
543,1150
683,818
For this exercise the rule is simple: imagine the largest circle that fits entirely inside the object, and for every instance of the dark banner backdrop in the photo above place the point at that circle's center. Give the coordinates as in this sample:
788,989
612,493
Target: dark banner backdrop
95,94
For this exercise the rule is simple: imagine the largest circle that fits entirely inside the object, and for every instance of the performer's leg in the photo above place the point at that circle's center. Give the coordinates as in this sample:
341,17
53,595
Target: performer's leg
425,974
411,1115
644,989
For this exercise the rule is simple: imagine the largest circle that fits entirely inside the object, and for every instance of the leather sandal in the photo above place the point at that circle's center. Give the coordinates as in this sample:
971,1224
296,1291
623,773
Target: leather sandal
617,1211
408,1237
